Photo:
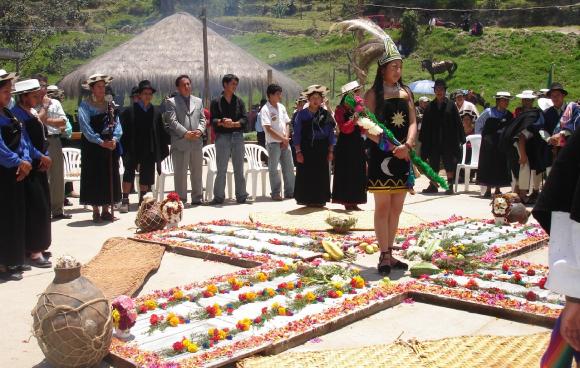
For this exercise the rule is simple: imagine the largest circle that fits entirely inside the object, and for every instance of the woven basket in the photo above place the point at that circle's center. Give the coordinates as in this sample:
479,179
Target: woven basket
149,218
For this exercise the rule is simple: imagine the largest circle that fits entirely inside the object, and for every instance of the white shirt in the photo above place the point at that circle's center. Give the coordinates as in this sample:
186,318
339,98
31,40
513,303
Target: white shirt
469,107
277,118
55,111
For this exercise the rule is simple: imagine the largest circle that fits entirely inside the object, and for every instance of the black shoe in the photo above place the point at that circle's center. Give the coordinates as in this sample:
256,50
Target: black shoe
14,274
24,267
40,262
242,201
430,189
62,216
487,194
198,203
532,198
214,202
497,191
449,191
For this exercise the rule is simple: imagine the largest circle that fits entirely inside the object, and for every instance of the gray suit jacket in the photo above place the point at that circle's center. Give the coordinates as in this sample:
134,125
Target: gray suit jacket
179,119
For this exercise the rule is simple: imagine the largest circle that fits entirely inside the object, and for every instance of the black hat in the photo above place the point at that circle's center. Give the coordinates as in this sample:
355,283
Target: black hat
145,84
556,87
440,83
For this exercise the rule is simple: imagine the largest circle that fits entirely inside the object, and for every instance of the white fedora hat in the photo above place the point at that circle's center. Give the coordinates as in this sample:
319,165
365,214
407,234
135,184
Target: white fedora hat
350,86
96,78
503,94
527,95
4,75
26,86
316,88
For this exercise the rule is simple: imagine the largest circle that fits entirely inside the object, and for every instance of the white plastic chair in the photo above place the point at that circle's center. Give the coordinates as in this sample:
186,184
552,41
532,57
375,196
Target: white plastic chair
254,154
475,140
166,170
72,164
209,154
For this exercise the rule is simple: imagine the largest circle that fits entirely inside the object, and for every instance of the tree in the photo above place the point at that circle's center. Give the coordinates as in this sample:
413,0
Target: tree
410,32
24,26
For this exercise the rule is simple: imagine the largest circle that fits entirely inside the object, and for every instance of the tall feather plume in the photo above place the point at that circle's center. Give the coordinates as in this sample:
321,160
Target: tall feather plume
368,51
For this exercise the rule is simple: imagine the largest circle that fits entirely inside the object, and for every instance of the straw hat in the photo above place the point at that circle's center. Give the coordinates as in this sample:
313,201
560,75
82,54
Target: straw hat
4,75
349,87
26,86
503,95
96,78
527,95
316,88
424,99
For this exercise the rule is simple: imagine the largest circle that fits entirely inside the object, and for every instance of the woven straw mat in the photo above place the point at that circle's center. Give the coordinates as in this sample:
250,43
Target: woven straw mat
457,352
314,219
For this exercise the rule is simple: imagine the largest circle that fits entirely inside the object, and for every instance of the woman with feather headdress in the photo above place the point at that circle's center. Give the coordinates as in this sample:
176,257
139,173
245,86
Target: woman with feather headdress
392,103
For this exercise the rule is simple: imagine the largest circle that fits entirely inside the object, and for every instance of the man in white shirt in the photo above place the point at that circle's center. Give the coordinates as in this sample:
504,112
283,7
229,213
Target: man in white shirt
275,122
55,125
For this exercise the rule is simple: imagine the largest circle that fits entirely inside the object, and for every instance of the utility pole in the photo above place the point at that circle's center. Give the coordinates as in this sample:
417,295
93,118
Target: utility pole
206,95
330,8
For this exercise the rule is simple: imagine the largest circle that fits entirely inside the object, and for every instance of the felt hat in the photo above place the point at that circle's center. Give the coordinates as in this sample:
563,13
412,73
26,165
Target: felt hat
527,95
316,88
26,86
349,87
96,78
424,99
503,95
145,84
4,75
440,83
556,87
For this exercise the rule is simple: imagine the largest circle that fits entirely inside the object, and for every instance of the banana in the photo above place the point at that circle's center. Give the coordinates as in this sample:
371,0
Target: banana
333,250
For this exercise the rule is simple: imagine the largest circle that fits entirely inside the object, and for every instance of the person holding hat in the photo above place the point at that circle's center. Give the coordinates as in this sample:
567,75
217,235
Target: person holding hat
389,166
99,140
38,232
441,135
15,166
275,120
349,186
144,141
314,141
526,149
492,170
56,122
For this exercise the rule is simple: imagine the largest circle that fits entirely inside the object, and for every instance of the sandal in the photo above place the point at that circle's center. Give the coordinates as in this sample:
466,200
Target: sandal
384,269
107,216
96,217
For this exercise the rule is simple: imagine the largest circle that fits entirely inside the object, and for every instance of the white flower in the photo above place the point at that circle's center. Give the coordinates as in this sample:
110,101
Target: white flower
366,123
375,130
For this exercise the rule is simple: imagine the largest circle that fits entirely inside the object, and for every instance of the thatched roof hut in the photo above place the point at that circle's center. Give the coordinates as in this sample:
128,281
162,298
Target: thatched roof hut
172,47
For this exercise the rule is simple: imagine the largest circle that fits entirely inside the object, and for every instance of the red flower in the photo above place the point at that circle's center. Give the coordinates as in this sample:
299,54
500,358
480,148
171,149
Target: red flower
530,272
258,320
299,296
458,272
225,329
505,267
472,284
173,196
265,310
142,309
178,346
207,294
154,319
299,284
242,297
282,285
517,277
230,311
424,277
542,282
487,276
451,282
531,296
164,306
289,313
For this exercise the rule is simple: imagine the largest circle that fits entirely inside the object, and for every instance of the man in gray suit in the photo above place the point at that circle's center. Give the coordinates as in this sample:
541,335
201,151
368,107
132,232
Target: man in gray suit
185,122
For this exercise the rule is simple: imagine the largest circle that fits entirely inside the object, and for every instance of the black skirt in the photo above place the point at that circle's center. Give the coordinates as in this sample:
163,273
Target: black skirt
313,176
13,224
38,234
493,168
97,163
350,178
387,174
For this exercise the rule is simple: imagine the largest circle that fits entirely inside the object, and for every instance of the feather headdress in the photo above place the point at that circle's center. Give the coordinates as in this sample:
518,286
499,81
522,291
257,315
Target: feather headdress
381,47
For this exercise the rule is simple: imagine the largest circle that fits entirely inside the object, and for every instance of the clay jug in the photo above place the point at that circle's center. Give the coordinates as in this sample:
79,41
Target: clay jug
72,321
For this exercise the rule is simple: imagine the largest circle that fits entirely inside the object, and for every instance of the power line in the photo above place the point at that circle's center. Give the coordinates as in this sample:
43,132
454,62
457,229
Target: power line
473,9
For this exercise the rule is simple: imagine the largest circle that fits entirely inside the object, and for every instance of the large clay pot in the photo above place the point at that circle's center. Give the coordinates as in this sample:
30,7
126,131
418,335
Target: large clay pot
72,321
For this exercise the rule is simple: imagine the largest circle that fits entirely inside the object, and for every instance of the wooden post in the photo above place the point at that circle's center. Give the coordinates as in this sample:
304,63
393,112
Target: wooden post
333,81
270,76
301,4
206,93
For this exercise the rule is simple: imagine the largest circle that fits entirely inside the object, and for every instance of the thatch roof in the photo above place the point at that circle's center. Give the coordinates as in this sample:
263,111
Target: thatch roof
173,47
7,54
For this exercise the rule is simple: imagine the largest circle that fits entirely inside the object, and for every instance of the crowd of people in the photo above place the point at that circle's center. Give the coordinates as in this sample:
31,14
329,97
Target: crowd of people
310,145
